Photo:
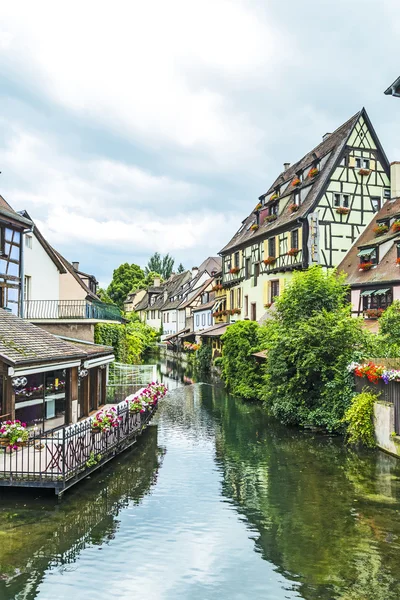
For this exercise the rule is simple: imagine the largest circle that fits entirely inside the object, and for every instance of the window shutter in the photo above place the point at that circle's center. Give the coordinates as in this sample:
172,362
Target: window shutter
281,285
266,290
352,162
372,165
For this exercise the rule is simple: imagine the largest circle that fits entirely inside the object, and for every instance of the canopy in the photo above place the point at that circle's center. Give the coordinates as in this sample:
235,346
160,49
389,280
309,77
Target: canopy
366,252
382,292
367,293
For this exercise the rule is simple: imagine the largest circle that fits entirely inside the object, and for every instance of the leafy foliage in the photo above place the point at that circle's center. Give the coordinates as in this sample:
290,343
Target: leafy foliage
389,331
181,268
359,418
104,297
160,264
126,278
240,370
203,357
130,341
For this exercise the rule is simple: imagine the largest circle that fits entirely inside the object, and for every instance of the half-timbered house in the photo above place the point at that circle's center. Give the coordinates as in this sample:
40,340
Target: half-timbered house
311,214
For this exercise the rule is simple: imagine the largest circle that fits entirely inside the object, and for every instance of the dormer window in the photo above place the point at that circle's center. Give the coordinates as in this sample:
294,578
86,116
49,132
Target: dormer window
368,255
341,200
296,199
362,163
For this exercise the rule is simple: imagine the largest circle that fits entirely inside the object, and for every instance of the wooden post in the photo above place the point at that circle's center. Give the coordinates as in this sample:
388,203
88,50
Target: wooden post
103,391
94,372
73,395
85,383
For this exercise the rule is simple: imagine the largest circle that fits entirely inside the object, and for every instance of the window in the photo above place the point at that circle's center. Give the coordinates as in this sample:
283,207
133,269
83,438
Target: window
341,200
362,163
273,209
28,241
376,203
343,162
271,247
294,238
381,298
197,320
253,311
167,317
232,298
239,298
246,306
209,318
367,255
256,272
27,287
386,193
274,289
203,319
248,268
153,314
296,199
236,259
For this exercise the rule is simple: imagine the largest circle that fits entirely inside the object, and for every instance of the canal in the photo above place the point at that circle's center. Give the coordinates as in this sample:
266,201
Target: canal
215,502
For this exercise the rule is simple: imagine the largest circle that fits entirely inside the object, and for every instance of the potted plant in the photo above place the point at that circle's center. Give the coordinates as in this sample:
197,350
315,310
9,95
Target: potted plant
397,261
293,207
269,260
259,205
296,182
254,227
274,197
293,252
364,172
374,313
13,434
366,266
380,229
234,270
313,172
270,218
105,420
342,210
396,226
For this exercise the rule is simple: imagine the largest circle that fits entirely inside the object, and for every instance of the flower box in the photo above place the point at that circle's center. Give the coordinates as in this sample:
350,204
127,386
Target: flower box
374,313
254,227
217,287
269,260
292,252
313,172
396,226
13,434
270,218
273,197
397,261
234,270
380,230
293,208
364,172
343,210
259,205
296,182
105,420
366,266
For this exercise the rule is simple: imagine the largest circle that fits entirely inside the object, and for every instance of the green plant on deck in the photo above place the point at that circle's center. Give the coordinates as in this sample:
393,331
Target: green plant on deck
359,418
93,459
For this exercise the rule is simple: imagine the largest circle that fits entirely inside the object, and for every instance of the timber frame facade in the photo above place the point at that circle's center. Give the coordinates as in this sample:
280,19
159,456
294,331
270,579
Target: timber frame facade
312,214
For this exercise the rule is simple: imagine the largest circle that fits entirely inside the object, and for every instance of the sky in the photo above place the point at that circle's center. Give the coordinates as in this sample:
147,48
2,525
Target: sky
130,127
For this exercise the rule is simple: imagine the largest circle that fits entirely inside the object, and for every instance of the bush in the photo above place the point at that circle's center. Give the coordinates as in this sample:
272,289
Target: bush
130,341
389,331
360,419
203,357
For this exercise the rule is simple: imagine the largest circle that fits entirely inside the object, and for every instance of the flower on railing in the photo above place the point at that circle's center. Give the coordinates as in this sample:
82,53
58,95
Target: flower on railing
259,205
292,252
270,218
234,311
313,172
366,266
254,227
234,270
364,172
293,207
105,420
296,182
342,210
380,229
269,260
374,313
374,372
149,396
274,196
396,226
13,434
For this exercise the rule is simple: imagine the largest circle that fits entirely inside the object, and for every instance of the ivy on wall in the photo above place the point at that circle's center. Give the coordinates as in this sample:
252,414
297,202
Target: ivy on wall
131,341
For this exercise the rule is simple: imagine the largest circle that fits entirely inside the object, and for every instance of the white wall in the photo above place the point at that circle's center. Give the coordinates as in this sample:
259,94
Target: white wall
45,282
198,319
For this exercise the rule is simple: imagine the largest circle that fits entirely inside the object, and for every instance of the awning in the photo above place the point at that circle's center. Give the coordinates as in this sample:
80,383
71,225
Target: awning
98,361
217,304
366,252
26,370
367,293
382,292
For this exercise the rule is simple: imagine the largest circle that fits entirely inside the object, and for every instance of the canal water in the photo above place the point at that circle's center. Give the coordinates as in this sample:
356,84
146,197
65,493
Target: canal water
216,501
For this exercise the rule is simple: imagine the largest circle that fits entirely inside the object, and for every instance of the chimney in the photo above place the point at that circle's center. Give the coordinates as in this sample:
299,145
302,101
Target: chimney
325,136
195,270
76,266
395,179
157,282
286,166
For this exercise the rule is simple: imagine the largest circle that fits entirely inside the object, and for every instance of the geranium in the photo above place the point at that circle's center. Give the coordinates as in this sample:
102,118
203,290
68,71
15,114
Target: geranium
293,252
274,197
313,172
380,229
269,260
234,270
374,313
396,226
343,210
14,432
293,207
259,205
364,171
397,261
365,266
106,419
296,182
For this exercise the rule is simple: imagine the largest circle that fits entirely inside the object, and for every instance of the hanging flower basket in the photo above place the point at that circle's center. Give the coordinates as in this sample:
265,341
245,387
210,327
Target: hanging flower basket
296,182
259,205
273,197
364,172
313,173
269,260
292,252
254,227
343,210
270,218
396,226
293,208
366,266
234,270
380,230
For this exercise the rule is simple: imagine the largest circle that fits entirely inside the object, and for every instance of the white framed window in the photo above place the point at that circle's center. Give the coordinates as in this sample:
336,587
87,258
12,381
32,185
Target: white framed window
27,287
362,163
386,193
341,200
197,320
28,241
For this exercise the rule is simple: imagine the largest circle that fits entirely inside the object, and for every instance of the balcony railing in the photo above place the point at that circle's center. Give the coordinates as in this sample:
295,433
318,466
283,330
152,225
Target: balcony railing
71,309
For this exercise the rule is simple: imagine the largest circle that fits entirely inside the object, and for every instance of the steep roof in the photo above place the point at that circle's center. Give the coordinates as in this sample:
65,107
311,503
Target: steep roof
22,342
9,214
210,264
393,89
387,269
70,269
196,294
328,151
45,245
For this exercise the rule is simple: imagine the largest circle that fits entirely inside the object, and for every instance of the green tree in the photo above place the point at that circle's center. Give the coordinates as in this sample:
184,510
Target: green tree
104,297
126,278
151,276
160,264
389,331
181,268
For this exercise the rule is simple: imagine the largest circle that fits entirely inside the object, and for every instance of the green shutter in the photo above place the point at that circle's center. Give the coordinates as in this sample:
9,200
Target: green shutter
366,252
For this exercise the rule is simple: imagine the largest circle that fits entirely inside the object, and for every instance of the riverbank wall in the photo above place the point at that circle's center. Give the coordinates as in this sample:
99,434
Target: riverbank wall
386,438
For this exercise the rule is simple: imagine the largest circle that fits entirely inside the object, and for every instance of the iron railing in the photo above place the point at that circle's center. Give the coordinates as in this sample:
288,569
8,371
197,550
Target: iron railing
61,457
71,309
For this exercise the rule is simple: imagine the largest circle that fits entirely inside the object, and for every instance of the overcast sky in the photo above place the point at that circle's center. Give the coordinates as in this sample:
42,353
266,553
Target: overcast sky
130,127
